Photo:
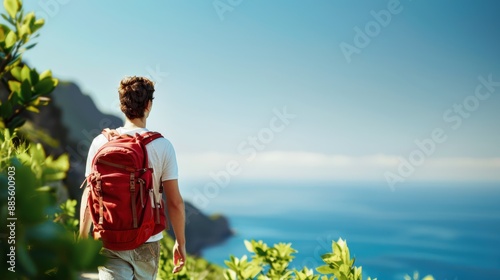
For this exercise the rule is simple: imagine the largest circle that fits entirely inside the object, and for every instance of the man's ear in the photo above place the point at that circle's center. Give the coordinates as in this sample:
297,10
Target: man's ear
150,105
148,109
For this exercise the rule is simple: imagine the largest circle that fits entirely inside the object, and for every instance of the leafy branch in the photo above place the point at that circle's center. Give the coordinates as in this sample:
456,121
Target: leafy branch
28,89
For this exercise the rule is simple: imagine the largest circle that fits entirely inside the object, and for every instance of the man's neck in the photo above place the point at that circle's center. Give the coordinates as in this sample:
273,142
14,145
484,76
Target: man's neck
135,123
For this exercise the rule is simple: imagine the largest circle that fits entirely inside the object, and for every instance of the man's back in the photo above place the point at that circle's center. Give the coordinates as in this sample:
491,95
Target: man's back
161,156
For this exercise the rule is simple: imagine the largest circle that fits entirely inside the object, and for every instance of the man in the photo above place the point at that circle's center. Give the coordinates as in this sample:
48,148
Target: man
136,101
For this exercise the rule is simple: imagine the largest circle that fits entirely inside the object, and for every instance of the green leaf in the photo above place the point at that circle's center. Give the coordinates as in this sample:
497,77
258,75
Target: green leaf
56,169
37,25
30,46
4,30
24,32
29,19
26,90
331,258
33,109
358,273
46,189
38,153
10,39
253,270
34,76
45,74
14,86
16,73
45,86
325,269
8,19
230,275
25,74
17,122
345,269
15,60
6,110
35,101
12,7
248,245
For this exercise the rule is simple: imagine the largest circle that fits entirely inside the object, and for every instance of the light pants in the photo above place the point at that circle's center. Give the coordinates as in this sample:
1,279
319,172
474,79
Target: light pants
138,264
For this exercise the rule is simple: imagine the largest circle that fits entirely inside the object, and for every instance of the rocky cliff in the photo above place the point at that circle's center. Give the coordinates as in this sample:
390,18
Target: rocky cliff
73,120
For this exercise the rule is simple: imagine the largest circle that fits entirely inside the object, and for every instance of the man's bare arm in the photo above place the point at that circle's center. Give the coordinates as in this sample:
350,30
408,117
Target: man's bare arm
85,220
176,212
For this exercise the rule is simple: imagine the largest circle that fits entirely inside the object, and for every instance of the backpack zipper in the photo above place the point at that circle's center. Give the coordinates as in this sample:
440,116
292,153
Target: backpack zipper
141,182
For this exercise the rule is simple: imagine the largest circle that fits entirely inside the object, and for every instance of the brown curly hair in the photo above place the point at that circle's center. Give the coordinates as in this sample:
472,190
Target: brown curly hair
135,93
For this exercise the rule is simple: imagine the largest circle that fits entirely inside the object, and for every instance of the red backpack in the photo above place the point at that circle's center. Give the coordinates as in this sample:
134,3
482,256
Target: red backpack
121,198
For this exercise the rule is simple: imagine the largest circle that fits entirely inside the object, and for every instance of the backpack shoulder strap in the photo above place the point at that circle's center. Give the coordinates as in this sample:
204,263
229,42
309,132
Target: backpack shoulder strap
110,133
148,137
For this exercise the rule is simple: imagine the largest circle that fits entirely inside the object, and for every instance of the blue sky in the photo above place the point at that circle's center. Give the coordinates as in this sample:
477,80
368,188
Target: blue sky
221,76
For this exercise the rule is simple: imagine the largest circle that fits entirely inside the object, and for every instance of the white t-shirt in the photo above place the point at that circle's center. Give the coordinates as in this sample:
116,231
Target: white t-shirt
161,157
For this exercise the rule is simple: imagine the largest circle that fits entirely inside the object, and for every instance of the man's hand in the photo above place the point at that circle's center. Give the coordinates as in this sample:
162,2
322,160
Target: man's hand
179,253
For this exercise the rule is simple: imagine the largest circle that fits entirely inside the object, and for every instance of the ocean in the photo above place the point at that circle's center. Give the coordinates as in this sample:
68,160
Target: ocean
449,230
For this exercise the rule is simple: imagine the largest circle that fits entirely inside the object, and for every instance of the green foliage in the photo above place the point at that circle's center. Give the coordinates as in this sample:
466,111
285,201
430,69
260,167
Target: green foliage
45,168
305,274
241,268
43,248
66,216
28,88
340,264
274,260
273,263
194,269
40,241
417,277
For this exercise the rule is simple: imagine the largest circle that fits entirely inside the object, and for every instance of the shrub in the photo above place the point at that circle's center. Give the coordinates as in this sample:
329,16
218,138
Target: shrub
39,241
273,263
